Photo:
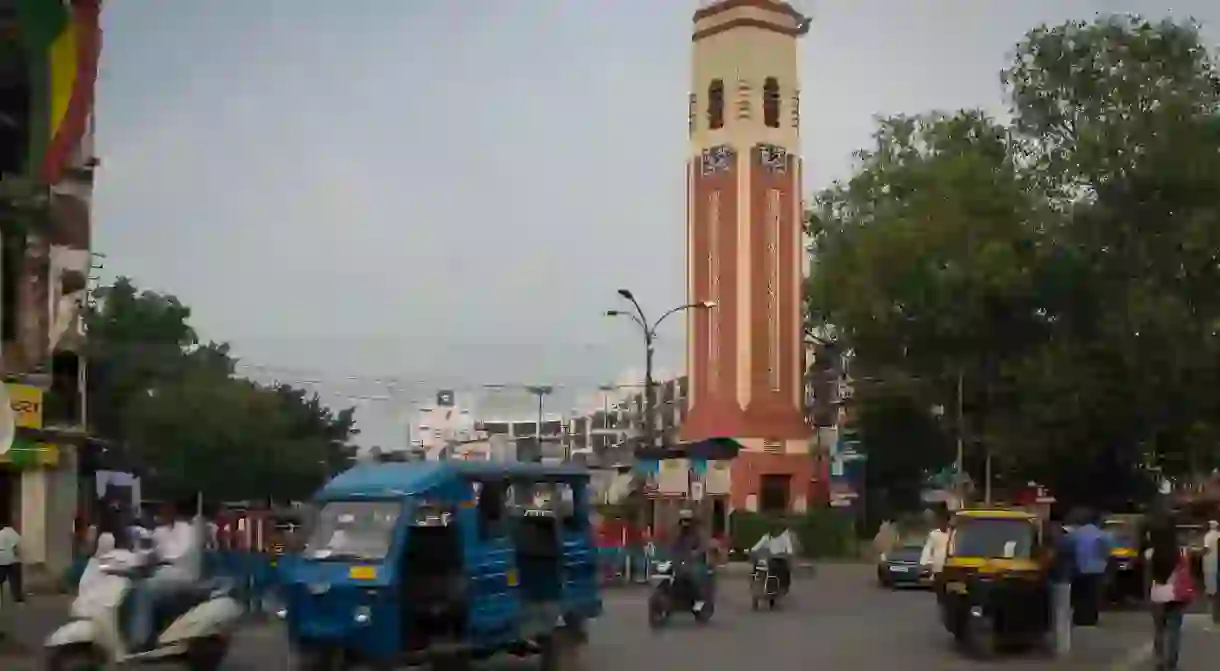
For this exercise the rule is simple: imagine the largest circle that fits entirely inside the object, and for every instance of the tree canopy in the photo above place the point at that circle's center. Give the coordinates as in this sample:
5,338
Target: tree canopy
1063,263
188,421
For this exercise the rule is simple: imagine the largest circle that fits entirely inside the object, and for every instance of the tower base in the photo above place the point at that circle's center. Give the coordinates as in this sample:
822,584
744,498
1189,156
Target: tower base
775,482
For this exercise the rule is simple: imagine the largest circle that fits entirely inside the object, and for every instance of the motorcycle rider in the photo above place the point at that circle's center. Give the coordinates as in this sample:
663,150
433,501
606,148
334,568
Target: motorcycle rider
690,552
779,549
178,554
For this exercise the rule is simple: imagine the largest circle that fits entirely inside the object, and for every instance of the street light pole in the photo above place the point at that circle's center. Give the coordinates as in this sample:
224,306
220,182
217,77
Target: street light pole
650,333
959,465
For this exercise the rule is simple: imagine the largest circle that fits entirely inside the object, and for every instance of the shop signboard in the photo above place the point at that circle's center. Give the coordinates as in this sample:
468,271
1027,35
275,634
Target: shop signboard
26,402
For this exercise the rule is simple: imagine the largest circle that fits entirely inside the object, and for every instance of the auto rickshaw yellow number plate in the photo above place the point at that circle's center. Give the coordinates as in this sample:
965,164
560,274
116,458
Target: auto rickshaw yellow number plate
955,587
511,577
362,573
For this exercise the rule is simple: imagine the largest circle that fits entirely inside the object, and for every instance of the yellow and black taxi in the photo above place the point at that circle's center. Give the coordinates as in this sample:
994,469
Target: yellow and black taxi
1125,571
994,588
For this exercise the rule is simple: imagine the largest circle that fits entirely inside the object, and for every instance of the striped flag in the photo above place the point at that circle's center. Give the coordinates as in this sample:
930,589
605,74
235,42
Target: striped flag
62,39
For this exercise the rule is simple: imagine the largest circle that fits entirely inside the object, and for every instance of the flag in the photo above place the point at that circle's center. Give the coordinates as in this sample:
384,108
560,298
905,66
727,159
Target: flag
62,39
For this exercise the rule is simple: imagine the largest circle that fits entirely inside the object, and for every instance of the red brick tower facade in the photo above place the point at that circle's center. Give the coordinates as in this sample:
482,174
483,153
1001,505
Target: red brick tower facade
744,248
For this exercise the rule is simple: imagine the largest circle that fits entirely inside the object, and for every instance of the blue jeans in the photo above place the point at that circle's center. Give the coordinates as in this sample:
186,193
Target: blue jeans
148,593
1167,636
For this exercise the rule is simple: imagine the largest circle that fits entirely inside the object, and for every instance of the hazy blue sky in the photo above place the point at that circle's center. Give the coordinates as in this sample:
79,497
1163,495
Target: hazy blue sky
450,191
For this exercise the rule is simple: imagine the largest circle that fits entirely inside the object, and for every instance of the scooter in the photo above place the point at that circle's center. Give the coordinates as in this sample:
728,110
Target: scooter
194,628
670,593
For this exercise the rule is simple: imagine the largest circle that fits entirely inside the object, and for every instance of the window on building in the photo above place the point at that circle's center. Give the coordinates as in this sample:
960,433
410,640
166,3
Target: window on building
773,492
12,256
771,102
715,104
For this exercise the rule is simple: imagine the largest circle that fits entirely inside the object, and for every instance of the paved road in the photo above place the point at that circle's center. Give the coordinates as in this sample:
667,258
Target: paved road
837,620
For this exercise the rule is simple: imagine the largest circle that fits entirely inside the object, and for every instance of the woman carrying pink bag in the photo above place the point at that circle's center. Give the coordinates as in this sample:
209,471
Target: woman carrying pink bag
1172,590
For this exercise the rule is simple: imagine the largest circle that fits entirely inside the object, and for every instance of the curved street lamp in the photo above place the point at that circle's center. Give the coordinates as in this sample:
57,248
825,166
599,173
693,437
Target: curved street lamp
649,329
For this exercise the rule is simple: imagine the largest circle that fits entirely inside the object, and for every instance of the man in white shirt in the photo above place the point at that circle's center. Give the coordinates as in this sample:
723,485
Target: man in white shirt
178,554
779,550
935,548
10,562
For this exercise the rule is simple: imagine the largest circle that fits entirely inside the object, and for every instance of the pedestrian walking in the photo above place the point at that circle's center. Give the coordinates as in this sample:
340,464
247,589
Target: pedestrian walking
1063,570
1171,592
1092,547
936,548
1211,567
10,562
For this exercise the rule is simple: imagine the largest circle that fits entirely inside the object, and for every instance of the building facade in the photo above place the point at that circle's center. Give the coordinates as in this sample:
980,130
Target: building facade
49,52
744,250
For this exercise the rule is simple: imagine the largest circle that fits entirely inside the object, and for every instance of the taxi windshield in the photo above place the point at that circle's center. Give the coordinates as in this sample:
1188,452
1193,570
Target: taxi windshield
354,530
1123,533
993,538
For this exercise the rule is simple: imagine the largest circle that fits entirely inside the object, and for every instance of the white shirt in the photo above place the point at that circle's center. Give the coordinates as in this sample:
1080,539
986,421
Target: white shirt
178,547
934,550
10,542
777,546
1210,541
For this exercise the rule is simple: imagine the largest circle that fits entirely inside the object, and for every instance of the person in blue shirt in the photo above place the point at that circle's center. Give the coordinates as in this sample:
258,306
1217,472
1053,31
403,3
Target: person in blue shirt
1092,556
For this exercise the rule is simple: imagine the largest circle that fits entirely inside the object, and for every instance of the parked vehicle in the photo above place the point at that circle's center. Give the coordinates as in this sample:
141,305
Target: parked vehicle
193,628
1125,579
900,567
443,563
674,590
994,589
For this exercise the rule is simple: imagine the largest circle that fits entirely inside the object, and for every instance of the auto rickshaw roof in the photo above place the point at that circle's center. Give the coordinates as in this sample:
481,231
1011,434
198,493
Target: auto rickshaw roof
397,479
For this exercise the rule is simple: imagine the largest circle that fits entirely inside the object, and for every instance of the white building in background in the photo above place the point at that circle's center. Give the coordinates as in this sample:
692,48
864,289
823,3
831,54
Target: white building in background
441,424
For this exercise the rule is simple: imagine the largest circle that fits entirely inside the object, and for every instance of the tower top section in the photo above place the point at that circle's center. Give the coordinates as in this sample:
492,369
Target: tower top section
717,16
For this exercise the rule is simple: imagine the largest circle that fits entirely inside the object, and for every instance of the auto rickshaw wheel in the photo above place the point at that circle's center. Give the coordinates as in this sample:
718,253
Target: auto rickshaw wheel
76,658
981,637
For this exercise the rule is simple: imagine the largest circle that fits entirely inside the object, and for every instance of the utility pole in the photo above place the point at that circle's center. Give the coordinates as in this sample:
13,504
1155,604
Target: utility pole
960,463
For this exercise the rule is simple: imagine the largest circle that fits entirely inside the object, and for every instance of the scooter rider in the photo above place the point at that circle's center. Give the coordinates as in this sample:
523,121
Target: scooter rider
690,551
778,546
178,558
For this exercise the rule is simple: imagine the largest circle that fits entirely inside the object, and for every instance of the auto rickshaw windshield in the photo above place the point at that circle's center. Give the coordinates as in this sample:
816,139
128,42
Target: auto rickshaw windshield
992,538
354,530
1123,534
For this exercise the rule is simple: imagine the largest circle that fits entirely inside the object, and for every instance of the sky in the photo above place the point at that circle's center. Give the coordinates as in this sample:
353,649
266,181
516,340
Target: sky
381,198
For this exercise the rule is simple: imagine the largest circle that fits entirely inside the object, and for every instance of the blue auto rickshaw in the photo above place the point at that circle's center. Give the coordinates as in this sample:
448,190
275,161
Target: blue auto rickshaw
443,563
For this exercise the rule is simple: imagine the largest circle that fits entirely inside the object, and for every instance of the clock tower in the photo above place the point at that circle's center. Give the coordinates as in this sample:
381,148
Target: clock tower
744,248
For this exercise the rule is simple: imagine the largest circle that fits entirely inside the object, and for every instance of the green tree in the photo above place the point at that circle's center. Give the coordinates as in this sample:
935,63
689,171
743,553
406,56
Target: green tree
905,445
1062,265
181,414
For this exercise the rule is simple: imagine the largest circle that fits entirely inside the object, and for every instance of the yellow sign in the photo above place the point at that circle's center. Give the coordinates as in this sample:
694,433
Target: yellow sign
511,577
362,573
27,405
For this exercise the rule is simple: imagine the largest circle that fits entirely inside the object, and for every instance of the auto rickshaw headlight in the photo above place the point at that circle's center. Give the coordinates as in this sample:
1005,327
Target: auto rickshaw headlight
363,615
282,613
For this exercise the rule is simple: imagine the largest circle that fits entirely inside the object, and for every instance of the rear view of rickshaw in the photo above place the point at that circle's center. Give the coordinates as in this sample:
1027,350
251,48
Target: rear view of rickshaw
442,564
994,590
1125,575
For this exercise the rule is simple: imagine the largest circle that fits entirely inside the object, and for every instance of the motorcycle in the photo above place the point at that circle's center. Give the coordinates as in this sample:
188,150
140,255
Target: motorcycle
193,627
674,590
765,585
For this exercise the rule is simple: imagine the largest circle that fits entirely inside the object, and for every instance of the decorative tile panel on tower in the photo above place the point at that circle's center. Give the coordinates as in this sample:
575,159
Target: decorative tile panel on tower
744,251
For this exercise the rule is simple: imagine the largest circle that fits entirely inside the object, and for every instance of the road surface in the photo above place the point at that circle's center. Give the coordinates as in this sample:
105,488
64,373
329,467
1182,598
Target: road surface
838,620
